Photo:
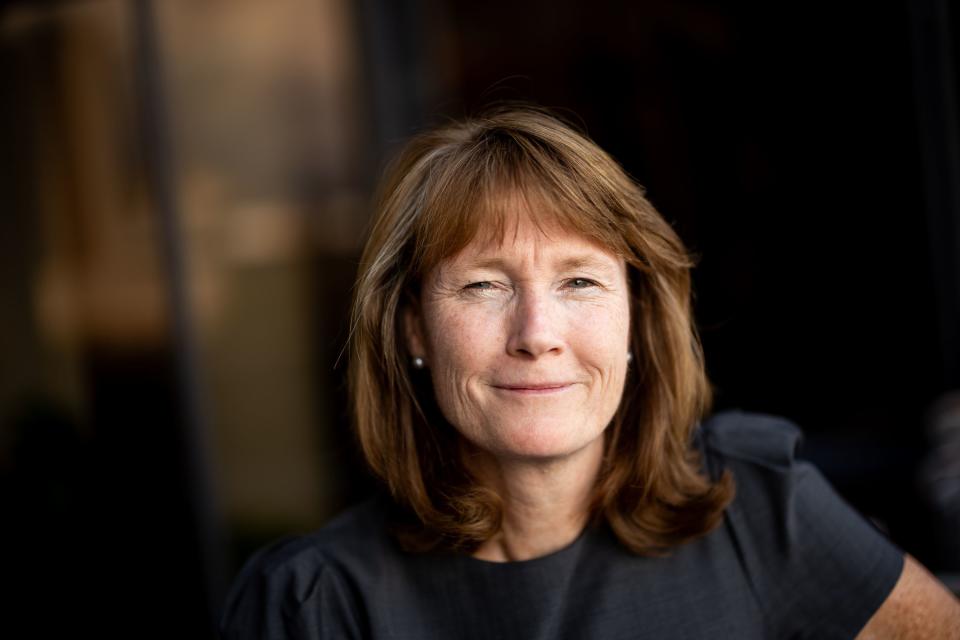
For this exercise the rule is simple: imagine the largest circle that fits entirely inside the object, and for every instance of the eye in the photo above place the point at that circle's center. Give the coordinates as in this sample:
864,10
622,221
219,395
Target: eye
482,286
580,283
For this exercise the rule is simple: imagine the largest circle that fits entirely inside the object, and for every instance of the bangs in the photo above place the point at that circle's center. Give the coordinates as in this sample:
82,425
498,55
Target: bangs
503,178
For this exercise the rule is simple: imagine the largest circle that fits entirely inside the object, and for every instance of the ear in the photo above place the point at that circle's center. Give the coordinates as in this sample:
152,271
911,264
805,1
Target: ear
413,329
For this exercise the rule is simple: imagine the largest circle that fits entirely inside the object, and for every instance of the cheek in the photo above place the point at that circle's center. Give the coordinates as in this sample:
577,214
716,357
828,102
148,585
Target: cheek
457,339
602,334
602,343
461,345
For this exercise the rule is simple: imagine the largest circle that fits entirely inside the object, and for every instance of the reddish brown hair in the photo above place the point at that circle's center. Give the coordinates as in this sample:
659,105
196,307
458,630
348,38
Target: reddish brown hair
434,197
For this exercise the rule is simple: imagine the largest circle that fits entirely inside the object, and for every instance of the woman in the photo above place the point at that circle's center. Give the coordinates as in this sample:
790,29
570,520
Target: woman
528,384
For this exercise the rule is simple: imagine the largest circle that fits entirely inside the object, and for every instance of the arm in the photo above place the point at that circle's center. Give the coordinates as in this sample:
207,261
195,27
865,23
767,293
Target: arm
918,607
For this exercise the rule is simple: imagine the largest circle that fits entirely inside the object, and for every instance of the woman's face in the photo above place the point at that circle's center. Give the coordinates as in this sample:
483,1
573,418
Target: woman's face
526,340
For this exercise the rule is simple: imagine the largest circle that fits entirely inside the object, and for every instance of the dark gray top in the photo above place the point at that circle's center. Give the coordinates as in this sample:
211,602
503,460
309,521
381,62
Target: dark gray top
791,560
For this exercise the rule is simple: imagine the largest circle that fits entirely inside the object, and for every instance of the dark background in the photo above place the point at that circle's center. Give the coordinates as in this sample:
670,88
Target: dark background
807,152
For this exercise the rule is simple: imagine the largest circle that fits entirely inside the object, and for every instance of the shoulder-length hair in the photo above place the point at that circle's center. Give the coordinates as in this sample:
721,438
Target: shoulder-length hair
445,186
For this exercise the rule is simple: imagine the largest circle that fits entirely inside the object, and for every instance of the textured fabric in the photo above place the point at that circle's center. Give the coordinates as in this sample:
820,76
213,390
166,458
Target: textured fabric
791,560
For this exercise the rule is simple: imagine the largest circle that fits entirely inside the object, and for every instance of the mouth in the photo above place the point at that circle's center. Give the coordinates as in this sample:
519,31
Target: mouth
534,388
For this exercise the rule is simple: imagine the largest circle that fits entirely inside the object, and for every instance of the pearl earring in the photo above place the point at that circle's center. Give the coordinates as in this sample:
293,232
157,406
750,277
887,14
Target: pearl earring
629,357
418,362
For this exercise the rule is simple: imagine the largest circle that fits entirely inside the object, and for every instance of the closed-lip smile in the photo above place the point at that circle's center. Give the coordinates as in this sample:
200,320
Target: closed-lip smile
534,388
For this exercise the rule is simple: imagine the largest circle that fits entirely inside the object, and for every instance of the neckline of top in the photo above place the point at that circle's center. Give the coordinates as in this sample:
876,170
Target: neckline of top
531,563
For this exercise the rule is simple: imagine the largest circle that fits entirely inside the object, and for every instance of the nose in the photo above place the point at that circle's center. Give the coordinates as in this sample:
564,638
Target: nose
535,326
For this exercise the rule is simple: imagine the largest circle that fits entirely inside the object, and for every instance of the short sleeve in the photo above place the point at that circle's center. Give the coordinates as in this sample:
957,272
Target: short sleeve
286,591
817,567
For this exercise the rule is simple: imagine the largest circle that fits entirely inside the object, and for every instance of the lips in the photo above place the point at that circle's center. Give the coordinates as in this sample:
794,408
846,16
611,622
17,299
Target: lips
534,388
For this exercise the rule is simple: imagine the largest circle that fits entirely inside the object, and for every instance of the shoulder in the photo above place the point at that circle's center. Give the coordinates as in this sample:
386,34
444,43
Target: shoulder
765,440
269,596
813,562
771,482
351,537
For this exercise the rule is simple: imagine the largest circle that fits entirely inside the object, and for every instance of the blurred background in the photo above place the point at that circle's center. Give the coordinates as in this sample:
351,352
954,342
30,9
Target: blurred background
184,188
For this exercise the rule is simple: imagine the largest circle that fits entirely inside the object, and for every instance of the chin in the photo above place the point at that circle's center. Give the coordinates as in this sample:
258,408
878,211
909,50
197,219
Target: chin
543,441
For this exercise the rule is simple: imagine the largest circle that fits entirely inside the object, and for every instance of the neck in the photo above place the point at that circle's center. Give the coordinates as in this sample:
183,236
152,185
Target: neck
545,503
